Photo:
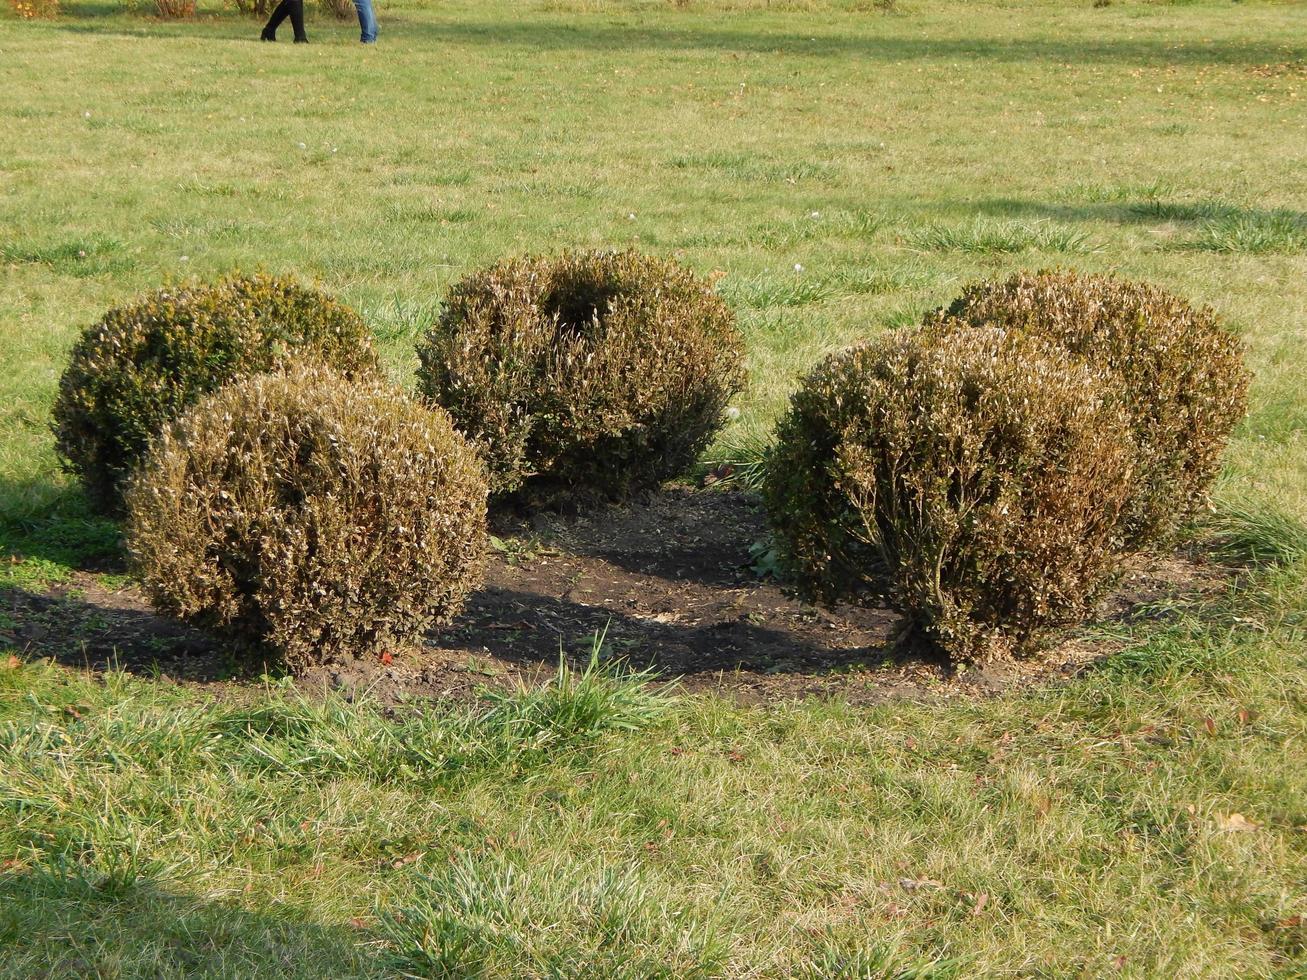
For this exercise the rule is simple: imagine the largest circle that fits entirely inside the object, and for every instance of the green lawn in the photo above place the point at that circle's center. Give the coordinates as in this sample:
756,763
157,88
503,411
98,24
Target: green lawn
843,169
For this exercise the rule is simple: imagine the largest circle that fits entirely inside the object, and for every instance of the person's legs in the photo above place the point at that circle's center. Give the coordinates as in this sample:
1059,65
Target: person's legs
367,21
278,15
297,21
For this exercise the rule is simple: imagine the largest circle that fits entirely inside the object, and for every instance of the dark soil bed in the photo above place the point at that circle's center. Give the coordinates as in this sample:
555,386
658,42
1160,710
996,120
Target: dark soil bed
670,584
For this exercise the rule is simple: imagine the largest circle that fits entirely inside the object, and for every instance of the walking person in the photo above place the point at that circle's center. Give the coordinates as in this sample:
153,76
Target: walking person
367,21
294,9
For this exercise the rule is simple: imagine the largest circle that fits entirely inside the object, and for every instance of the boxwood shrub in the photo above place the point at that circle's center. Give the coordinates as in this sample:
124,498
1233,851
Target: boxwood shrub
594,373
309,518
972,477
144,362
1179,376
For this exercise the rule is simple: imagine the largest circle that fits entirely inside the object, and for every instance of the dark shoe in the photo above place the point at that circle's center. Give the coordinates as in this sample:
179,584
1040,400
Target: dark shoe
268,35
302,40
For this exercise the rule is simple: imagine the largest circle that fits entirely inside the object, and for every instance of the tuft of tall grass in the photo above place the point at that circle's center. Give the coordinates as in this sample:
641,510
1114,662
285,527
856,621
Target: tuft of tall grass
1094,193
1275,233
400,320
83,256
494,915
574,704
314,740
1252,532
1231,228
992,236
752,167
874,963
761,292
740,459
801,289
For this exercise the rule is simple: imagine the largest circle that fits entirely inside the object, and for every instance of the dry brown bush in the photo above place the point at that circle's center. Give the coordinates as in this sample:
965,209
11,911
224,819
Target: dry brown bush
143,363
1177,373
601,373
309,518
970,476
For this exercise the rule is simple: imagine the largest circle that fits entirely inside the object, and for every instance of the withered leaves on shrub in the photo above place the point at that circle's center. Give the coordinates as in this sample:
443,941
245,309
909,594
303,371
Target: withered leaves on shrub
309,517
598,372
1178,375
144,363
973,477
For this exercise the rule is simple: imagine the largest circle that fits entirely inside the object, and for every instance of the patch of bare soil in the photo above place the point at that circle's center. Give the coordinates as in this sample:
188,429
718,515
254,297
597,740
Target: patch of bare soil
670,584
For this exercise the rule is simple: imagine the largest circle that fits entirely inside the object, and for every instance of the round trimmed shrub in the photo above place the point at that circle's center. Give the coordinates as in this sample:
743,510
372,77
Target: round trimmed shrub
600,372
973,478
309,517
1178,374
144,363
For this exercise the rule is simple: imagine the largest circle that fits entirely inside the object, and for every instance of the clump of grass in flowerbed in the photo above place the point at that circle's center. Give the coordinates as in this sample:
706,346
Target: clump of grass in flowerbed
739,459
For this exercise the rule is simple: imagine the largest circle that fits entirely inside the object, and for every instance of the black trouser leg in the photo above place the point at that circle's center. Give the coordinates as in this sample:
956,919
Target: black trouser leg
278,15
297,18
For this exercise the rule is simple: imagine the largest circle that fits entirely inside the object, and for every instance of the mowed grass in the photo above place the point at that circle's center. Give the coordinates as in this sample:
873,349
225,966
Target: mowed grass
841,170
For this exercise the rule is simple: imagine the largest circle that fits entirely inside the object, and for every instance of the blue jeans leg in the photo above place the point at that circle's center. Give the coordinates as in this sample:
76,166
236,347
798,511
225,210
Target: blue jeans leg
367,21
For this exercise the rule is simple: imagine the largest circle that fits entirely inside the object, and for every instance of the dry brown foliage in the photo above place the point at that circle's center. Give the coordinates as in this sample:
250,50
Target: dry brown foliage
309,518
593,372
972,477
143,363
1177,373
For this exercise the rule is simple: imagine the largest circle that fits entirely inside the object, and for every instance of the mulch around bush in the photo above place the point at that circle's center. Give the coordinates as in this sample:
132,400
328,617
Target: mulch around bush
671,585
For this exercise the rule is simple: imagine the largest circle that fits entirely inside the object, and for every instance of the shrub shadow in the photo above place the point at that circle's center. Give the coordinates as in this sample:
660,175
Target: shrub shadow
528,629
39,519
1134,211
80,922
95,629
666,582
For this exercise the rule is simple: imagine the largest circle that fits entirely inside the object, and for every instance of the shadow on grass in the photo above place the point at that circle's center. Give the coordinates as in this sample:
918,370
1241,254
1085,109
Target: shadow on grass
1136,211
596,34
55,526
100,630
81,922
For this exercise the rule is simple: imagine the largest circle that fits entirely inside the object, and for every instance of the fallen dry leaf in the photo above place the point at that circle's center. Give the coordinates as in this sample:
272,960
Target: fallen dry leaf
916,884
1236,822
406,859
13,662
